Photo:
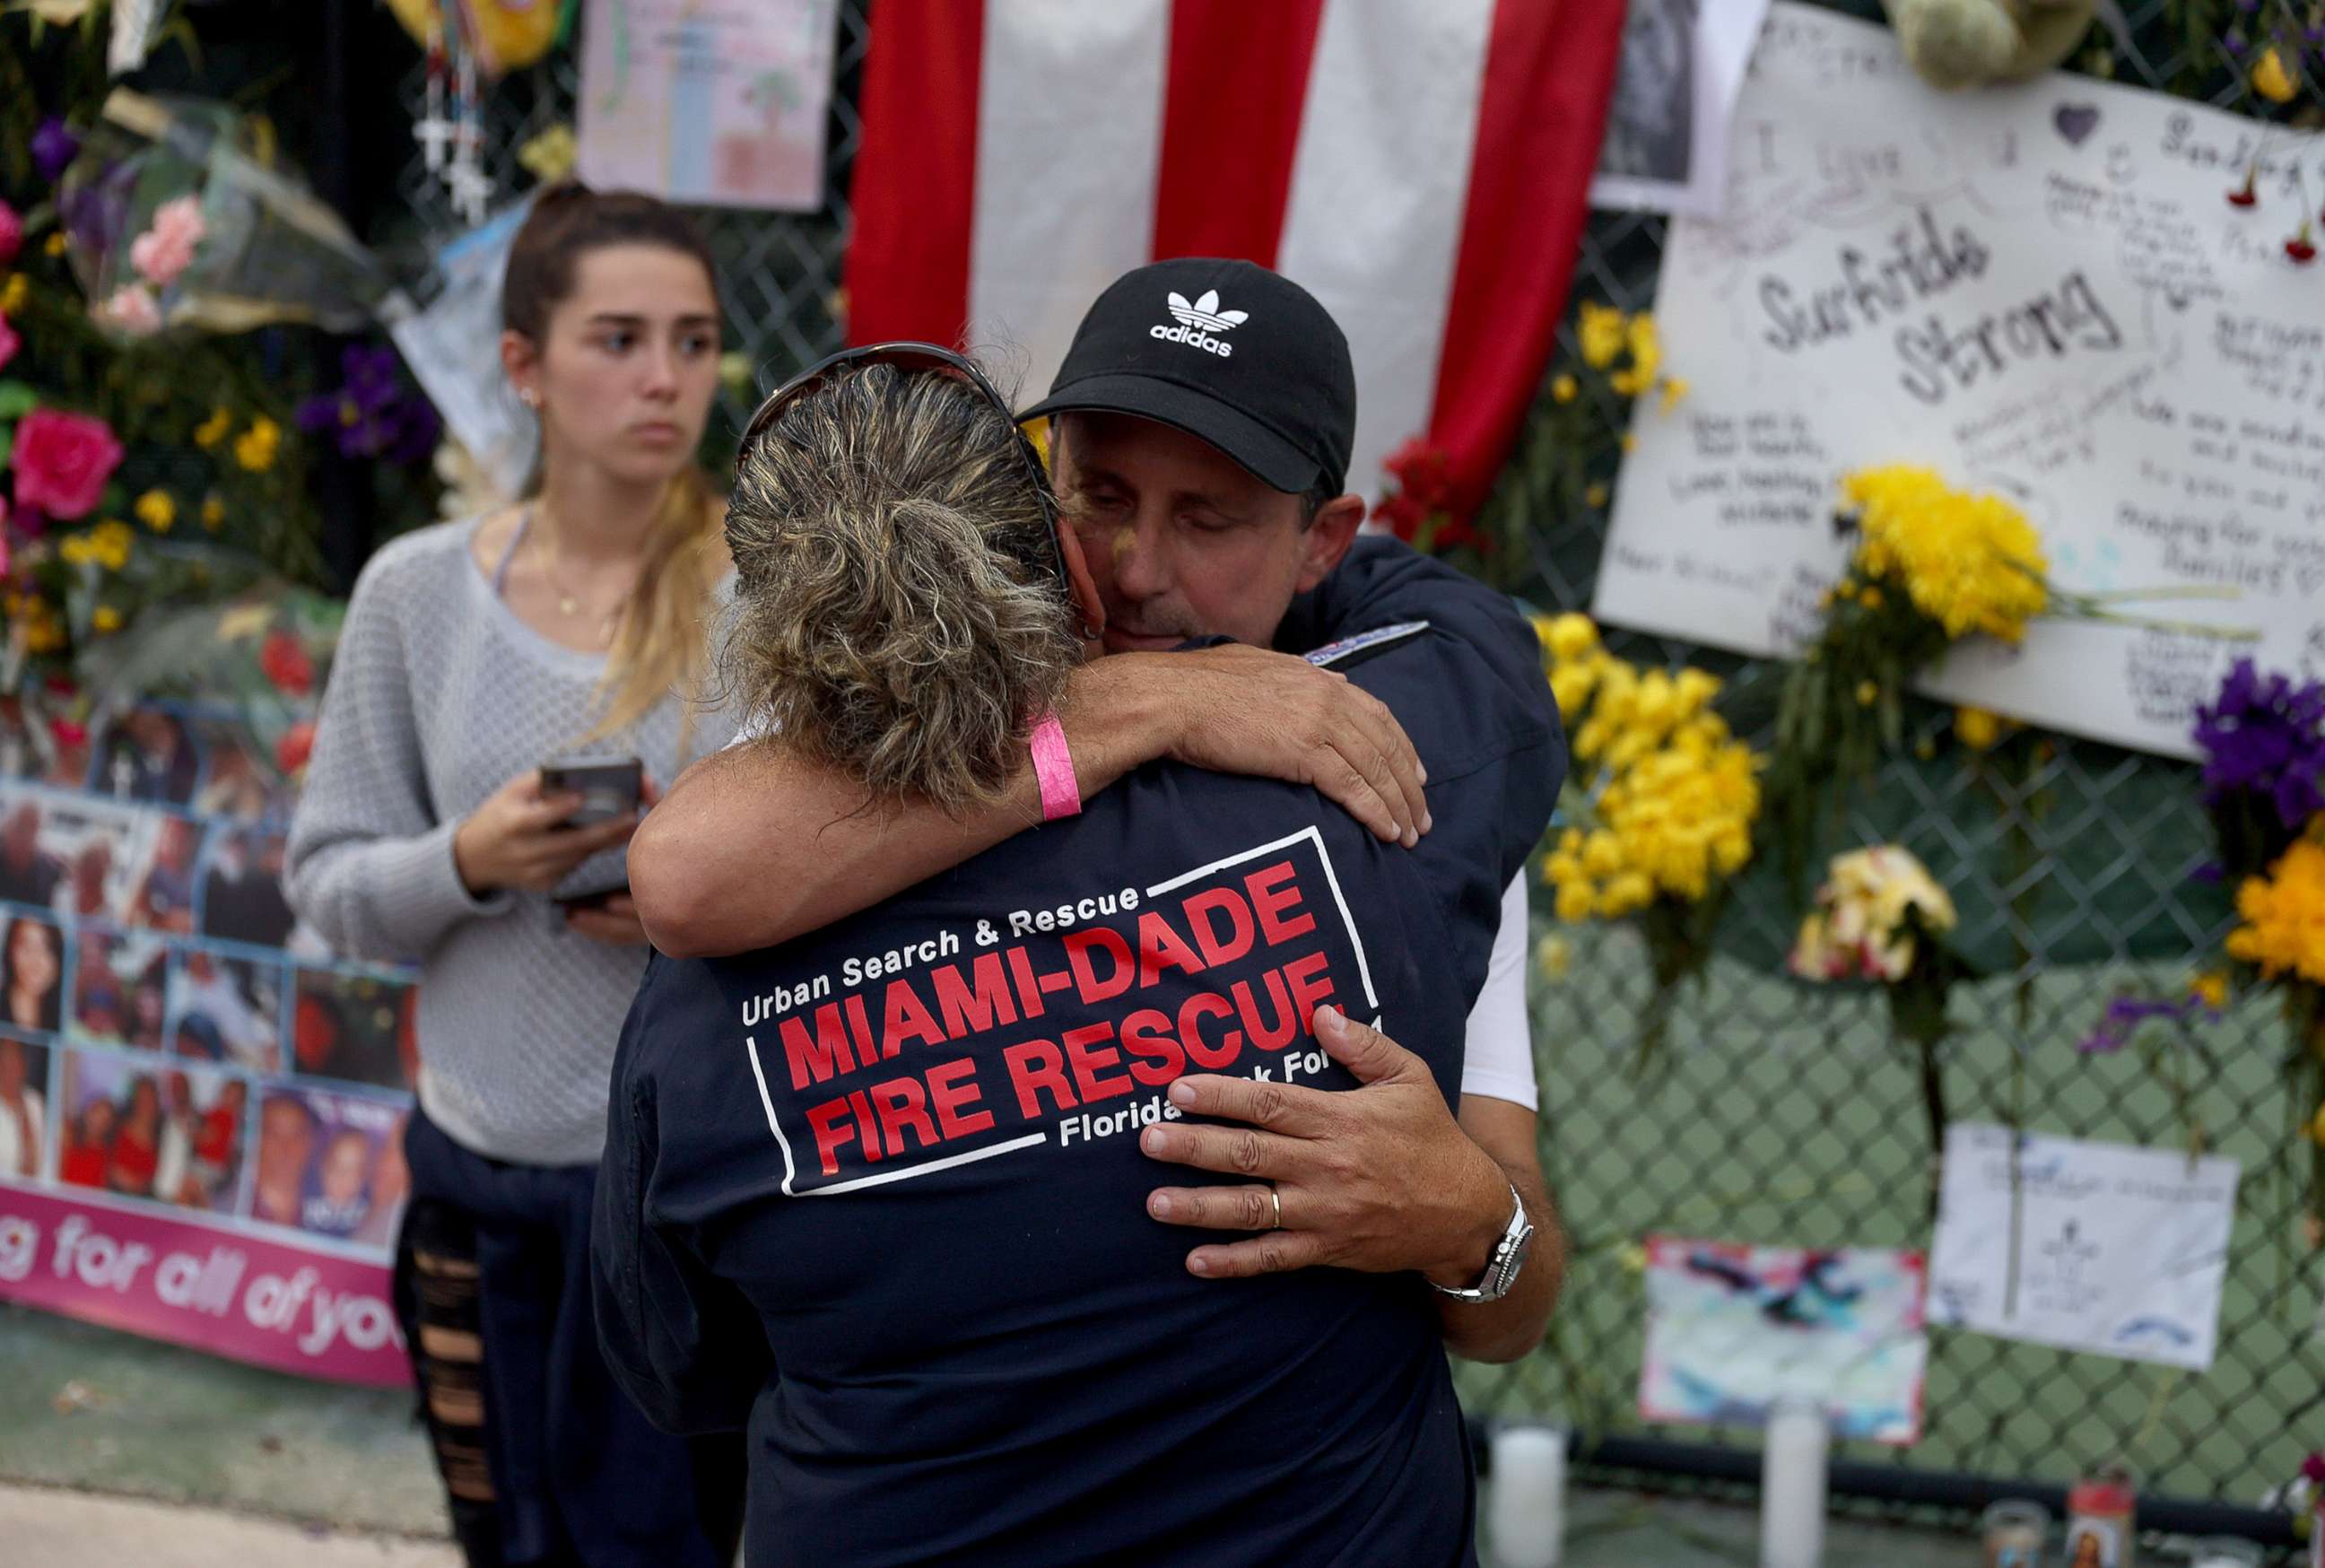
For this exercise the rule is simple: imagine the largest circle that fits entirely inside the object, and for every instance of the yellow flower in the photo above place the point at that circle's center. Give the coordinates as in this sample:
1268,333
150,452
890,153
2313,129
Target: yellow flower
109,542
1646,357
1627,892
1674,389
1601,332
1596,495
1630,442
1978,729
1564,388
1601,856
157,511
55,243
214,429
550,156
1572,636
2271,80
75,550
1871,597
1867,693
1574,902
13,292
106,620
2283,915
2212,986
254,449
1570,687
1553,955
213,513
1972,563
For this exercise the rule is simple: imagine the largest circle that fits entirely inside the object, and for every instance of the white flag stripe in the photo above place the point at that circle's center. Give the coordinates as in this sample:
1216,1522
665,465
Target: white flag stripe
1069,135
1379,186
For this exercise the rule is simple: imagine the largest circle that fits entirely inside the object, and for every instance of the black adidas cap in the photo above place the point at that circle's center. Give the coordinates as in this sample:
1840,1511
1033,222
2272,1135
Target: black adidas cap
1229,352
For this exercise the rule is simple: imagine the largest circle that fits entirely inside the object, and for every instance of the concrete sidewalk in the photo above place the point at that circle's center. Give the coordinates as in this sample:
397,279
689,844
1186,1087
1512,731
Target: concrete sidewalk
46,1527
230,1465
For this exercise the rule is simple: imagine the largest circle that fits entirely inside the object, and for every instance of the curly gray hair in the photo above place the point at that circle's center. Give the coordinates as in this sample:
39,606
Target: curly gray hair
898,616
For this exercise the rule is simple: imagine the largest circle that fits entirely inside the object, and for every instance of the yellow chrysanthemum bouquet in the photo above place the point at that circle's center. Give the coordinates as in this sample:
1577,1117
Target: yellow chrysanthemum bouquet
1659,804
1934,565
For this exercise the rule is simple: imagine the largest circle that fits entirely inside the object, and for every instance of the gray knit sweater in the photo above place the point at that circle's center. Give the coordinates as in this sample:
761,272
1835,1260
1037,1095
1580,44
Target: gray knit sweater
439,695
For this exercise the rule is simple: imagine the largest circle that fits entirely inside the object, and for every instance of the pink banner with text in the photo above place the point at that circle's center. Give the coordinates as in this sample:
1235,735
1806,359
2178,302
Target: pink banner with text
214,1288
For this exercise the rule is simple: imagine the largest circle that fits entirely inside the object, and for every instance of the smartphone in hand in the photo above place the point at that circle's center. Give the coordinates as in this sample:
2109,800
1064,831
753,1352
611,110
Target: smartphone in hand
609,786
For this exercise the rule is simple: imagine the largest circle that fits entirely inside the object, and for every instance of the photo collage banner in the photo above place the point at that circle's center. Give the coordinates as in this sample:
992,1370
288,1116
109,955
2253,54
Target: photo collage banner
201,1107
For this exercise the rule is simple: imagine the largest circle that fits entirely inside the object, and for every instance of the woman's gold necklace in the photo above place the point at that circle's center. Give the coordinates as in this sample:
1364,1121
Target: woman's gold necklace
568,603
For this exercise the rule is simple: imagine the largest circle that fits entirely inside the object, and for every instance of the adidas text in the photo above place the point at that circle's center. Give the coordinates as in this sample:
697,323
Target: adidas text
1194,336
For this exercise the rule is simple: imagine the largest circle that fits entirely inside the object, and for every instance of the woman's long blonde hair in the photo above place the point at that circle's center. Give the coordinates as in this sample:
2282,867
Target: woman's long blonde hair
661,643
898,615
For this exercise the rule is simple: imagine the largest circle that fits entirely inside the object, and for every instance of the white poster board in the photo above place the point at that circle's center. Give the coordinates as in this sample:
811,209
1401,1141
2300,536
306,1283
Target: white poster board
2040,291
721,104
2116,1250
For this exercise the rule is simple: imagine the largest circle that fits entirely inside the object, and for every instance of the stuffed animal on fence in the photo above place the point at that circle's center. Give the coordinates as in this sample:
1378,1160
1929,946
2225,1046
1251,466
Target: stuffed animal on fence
1965,43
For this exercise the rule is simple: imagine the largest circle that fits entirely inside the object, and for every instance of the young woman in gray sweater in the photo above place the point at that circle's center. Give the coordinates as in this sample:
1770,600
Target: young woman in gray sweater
472,653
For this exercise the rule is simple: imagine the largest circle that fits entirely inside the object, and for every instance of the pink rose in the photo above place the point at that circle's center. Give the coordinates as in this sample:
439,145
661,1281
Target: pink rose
133,309
62,461
9,342
11,234
167,249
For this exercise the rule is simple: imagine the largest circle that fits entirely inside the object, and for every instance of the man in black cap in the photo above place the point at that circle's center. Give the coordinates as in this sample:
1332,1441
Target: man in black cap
1202,425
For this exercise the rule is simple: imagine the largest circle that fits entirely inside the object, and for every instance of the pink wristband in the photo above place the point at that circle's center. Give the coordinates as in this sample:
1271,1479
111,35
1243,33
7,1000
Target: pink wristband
1053,765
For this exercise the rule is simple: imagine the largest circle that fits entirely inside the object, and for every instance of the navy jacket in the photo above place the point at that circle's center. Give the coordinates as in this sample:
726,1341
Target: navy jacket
904,1153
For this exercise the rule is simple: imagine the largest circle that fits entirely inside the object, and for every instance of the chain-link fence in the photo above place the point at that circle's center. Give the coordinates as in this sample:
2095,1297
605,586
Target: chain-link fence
1784,1116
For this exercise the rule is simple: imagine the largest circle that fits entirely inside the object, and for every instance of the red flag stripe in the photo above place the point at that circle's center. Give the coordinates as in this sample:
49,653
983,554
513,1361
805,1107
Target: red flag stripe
1235,87
1550,70
914,190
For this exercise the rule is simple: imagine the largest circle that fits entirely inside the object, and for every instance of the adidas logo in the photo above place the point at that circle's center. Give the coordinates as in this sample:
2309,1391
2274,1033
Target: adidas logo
1197,322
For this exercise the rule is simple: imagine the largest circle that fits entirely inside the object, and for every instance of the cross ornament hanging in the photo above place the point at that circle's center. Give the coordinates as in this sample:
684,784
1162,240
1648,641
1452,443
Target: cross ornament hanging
435,133
471,189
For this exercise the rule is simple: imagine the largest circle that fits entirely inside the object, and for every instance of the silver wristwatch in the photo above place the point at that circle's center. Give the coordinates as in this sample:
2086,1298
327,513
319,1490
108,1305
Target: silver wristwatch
1509,1257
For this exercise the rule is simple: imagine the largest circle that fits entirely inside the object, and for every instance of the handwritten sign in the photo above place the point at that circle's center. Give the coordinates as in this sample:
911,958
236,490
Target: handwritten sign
721,104
2103,1247
2038,291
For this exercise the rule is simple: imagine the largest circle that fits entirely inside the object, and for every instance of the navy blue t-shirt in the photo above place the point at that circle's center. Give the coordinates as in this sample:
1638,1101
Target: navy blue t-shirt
904,1153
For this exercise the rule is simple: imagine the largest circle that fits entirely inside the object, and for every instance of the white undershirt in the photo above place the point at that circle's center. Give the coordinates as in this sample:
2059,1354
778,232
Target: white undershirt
1498,1062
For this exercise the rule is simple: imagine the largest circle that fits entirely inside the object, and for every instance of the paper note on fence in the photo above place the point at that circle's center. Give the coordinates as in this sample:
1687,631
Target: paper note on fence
722,105
2040,290
1732,1329
2116,1251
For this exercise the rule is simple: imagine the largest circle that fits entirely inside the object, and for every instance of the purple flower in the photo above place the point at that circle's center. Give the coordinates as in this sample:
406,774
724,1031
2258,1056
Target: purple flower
2123,1017
375,414
2265,737
53,146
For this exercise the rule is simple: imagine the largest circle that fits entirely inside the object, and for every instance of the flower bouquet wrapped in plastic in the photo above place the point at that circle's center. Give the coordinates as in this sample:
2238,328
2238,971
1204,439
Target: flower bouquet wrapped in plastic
177,217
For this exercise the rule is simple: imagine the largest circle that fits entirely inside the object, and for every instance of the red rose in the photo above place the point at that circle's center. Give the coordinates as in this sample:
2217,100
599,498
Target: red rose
9,341
62,461
67,733
297,744
11,234
1400,514
286,663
